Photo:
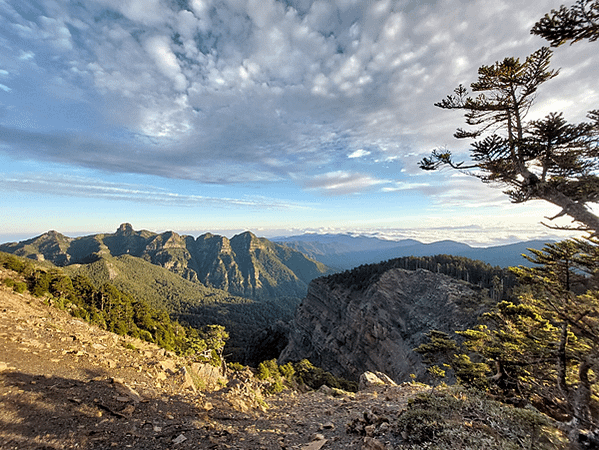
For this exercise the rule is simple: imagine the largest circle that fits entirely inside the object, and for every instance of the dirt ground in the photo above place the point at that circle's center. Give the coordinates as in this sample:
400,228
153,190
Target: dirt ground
65,384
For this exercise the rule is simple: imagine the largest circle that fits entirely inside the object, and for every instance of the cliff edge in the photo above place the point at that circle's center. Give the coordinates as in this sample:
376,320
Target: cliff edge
349,330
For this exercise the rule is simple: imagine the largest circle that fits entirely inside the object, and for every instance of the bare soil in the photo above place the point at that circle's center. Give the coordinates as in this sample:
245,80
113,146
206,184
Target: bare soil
65,384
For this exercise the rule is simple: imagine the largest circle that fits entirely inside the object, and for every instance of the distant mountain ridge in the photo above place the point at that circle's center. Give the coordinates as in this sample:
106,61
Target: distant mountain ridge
343,251
245,265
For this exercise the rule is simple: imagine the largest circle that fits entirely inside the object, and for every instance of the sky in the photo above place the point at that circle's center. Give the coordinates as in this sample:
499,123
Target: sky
278,117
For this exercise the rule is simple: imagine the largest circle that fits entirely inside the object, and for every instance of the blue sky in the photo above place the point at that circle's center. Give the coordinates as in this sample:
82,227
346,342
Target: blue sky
278,117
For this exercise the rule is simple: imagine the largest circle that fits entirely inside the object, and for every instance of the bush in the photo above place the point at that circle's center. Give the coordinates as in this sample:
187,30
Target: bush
287,371
146,336
20,287
314,377
12,262
264,372
467,419
236,367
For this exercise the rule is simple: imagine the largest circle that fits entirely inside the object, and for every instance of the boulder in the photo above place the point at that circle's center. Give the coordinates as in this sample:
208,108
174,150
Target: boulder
209,376
373,379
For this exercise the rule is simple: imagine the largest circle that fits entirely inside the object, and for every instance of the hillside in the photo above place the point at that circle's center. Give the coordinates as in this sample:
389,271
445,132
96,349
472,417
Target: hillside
125,287
248,322
65,384
244,265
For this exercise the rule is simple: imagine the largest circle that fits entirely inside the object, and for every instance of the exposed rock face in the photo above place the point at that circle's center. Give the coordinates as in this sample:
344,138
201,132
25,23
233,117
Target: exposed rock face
348,332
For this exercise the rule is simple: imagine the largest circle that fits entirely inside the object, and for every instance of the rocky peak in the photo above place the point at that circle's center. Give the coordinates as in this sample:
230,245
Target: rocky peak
125,229
246,241
168,239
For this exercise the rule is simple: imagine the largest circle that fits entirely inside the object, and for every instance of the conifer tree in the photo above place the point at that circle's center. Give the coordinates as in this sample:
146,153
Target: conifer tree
546,347
574,23
547,159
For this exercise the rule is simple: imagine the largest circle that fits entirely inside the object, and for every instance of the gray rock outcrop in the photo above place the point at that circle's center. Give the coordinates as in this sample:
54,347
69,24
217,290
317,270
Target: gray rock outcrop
350,331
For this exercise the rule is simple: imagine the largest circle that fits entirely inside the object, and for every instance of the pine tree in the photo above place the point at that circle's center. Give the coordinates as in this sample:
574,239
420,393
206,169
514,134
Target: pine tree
546,347
577,22
545,159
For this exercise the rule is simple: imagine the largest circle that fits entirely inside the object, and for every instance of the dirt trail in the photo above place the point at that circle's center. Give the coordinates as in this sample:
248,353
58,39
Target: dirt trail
66,384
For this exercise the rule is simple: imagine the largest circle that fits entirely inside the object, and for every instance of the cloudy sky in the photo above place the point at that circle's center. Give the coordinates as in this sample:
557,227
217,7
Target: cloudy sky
275,116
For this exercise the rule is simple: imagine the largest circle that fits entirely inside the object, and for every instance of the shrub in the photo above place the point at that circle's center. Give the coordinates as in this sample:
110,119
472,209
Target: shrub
314,377
287,371
263,371
236,367
20,287
468,419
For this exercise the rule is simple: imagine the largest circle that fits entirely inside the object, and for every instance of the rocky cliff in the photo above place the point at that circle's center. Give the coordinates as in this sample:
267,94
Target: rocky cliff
348,331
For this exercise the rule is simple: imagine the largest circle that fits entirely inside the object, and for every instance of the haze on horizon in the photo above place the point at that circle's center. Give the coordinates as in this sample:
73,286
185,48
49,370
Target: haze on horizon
278,117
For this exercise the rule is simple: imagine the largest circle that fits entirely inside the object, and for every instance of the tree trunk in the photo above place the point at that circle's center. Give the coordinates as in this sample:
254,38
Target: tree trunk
561,361
577,211
580,403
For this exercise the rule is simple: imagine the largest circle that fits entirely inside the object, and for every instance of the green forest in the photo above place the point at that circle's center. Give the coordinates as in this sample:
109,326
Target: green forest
498,282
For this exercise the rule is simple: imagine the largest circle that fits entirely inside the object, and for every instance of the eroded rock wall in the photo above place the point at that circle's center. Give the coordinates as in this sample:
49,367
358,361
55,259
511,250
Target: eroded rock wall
348,332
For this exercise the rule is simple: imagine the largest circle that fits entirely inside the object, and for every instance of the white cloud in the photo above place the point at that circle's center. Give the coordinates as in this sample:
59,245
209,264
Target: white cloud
26,56
75,186
147,12
158,47
406,186
56,31
286,88
342,183
360,153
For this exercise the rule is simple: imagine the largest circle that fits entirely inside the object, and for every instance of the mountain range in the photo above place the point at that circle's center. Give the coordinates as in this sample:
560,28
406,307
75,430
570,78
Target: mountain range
344,251
248,284
244,265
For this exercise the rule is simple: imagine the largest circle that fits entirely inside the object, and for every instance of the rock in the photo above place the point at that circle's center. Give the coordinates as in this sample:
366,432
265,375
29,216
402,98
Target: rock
187,382
373,444
315,445
168,366
126,391
213,378
179,439
128,410
161,376
349,330
372,379
325,390
111,363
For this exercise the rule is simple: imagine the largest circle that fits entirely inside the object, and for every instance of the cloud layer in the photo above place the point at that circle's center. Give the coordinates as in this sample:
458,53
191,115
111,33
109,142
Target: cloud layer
336,95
